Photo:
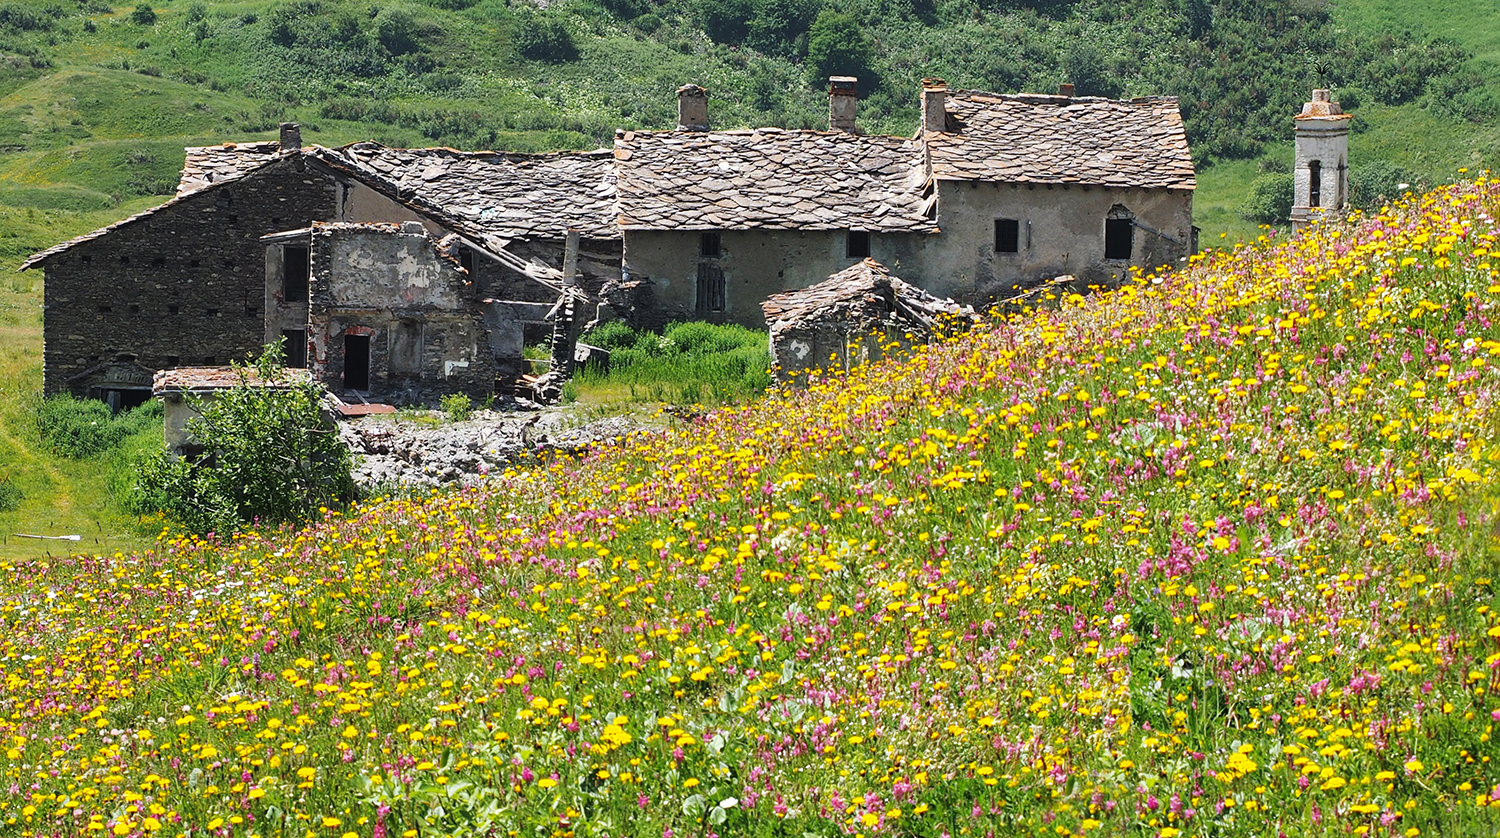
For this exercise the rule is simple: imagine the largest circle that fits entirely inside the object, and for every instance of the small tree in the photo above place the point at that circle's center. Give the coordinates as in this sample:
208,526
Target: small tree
143,15
1270,199
837,45
268,455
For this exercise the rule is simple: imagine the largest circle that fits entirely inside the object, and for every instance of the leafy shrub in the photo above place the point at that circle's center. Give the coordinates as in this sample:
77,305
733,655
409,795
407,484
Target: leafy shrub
268,456
837,45
615,334
1377,182
726,21
24,18
196,12
458,407
543,37
10,495
398,31
143,15
78,428
1270,199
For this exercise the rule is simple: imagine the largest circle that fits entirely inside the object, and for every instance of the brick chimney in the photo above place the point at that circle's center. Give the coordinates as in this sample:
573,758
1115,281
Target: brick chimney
692,108
1065,89
934,105
842,103
291,136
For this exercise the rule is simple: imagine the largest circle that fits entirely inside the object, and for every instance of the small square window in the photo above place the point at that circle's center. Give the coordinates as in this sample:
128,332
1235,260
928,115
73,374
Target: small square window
466,259
1007,235
172,309
857,245
709,244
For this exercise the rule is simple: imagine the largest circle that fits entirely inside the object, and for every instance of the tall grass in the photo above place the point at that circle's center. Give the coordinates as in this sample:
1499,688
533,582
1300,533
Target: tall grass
688,363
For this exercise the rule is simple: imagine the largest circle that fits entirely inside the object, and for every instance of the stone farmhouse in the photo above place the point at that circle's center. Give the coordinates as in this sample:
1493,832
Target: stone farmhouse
405,274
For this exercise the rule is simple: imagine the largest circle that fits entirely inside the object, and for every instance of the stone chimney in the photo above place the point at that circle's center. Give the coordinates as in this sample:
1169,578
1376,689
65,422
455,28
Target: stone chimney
934,105
842,102
1065,89
291,136
692,108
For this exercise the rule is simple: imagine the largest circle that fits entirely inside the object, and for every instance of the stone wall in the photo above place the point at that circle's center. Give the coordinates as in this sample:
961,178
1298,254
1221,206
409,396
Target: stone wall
754,263
183,286
422,316
1060,230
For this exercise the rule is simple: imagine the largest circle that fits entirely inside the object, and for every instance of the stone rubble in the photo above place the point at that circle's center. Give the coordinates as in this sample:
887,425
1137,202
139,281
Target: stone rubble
398,452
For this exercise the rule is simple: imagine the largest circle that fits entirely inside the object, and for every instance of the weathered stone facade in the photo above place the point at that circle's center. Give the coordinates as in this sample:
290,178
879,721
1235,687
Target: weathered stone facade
181,285
389,317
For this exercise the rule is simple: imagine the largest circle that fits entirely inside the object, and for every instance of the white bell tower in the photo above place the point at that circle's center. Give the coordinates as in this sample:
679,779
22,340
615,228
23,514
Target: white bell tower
1322,169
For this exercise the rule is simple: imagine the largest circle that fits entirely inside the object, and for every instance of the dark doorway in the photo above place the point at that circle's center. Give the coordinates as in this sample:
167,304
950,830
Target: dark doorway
356,362
122,398
294,344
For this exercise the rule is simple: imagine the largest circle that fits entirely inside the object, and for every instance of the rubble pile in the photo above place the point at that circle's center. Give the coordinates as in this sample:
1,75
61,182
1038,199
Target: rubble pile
392,451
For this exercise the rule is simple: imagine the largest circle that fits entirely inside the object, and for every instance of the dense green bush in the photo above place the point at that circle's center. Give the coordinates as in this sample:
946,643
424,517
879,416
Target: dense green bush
268,457
543,37
10,495
1270,199
143,15
837,45
1374,183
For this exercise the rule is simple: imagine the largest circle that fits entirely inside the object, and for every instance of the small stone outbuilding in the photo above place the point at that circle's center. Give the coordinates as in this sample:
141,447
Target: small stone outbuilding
852,318
174,387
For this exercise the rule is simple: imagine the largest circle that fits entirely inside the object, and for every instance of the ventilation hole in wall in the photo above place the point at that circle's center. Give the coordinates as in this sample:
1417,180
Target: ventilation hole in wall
171,309
252,311
135,309
234,219
210,360
212,312
159,262
193,263
105,309
124,260
229,264
173,360
85,259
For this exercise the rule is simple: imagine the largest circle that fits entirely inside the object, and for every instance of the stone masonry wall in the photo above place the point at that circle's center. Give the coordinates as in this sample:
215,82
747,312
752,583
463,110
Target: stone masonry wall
184,286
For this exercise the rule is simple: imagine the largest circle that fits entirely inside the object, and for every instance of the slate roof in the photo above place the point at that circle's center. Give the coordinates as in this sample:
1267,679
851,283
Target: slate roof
771,179
507,195
857,296
207,165
205,379
1031,138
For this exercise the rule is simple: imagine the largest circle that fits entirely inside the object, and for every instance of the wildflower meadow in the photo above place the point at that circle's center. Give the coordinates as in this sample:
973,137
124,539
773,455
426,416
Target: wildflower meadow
1211,554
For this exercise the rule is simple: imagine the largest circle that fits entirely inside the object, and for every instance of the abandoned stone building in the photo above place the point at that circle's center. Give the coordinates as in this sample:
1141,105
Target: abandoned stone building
994,193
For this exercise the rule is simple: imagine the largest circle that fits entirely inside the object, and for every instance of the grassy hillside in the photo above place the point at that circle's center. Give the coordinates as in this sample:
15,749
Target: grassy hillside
1210,555
97,101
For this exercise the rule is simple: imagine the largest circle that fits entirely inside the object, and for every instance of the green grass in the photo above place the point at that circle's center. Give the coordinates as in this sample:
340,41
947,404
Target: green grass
688,364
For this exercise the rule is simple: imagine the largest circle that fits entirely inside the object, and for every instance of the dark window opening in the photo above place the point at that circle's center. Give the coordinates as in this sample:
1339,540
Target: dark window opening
173,360
120,399
1315,184
211,312
356,362
124,260
709,245
252,311
228,264
710,288
193,263
294,344
1119,234
466,259
234,219
210,360
1007,235
294,274
105,309
85,259
858,244
172,309
135,309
